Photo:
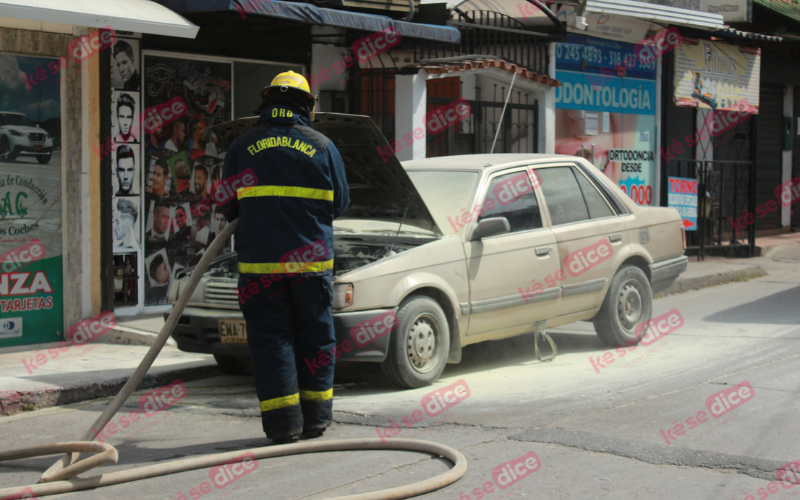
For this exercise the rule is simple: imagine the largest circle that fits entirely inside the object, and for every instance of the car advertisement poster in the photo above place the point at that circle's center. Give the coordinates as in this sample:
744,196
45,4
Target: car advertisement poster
31,282
183,160
714,75
682,196
605,111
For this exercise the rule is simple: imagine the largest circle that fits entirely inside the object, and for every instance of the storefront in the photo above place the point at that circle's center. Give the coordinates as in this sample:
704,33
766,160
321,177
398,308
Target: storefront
167,163
55,65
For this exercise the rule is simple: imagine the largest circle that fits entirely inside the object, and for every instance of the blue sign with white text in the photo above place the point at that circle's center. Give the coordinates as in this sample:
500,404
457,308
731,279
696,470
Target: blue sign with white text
593,92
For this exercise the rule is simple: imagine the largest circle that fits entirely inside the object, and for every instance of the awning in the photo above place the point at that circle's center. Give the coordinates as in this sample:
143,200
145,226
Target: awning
311,14
733,34
448,65
788,8
139,16
656,13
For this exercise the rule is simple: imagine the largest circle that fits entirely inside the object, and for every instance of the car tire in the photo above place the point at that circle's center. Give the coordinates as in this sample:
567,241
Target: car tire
6,152
418,348
235,365
44,159
627,304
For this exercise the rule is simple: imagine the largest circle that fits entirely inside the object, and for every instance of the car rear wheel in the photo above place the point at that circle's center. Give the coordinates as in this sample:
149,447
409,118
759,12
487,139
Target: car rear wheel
235,365
419,347
627,307
44,159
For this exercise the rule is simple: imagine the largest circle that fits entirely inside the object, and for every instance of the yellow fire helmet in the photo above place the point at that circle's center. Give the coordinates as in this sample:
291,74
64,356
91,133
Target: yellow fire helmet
286,80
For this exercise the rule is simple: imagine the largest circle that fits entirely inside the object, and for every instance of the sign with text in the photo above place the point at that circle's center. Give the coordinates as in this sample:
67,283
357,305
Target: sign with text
713,75
31,279
683,198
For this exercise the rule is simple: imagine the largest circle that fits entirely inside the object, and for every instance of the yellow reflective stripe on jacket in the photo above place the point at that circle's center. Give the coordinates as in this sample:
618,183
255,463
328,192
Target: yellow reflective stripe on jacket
316,395
288,191
282,402
284,267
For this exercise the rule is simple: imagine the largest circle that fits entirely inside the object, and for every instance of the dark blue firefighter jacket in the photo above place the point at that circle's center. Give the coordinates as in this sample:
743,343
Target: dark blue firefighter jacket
286,217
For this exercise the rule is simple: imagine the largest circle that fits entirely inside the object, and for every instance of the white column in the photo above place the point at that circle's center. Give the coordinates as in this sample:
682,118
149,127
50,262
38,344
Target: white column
547,109
410,99
788,110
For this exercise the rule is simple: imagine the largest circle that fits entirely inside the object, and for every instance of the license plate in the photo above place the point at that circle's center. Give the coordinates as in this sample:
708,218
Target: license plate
37,148
233,331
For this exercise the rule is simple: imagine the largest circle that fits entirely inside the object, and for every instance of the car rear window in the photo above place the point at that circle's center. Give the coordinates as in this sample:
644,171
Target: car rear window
563,195
597,205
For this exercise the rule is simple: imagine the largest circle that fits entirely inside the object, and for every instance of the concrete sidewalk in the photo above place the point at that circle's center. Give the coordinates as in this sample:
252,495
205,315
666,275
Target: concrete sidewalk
33,377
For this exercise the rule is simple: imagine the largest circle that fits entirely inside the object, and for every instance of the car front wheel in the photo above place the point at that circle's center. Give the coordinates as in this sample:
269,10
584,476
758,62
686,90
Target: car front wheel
419,347
626,309
6,152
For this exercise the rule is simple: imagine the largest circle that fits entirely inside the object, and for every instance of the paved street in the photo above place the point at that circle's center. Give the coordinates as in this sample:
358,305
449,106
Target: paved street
598,423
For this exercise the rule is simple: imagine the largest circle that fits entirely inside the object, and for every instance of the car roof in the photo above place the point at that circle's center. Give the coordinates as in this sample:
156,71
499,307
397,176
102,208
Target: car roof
11,113
481,162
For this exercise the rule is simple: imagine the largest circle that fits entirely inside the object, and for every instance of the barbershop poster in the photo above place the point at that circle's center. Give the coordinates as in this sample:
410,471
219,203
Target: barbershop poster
182,160
606,111
720,76
31,283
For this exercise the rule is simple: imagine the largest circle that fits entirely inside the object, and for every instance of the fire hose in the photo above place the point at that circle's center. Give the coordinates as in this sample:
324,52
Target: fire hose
61,477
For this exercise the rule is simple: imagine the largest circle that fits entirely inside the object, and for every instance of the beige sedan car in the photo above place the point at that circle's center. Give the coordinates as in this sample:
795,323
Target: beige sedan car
441,253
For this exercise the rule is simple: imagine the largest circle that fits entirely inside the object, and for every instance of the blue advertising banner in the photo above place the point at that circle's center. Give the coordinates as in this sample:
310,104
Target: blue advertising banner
683,198
606,111
615,95
595,55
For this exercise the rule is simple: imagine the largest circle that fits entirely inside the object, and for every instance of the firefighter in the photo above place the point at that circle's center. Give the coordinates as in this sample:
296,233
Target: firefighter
285,246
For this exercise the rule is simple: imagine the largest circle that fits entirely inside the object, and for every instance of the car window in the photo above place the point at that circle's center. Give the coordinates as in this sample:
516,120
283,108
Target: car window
597,205
563,195
511,196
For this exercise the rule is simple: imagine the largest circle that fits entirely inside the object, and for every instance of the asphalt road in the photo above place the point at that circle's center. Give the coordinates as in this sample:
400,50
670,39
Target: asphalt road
598,429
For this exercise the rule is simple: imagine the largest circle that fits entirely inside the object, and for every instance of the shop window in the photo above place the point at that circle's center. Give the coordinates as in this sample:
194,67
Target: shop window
126,280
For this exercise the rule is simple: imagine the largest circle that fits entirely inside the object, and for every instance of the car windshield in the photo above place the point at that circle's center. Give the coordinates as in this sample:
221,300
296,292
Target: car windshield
9,119
446,193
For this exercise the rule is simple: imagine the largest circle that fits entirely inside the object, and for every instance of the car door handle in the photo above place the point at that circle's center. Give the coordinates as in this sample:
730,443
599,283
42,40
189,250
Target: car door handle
613,238
543,250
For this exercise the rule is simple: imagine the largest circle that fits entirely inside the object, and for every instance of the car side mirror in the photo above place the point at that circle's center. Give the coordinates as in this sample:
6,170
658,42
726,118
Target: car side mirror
491,227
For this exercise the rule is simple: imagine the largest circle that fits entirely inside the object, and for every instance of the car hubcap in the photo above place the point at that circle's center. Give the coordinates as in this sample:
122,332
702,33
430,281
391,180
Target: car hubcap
421,343
629,306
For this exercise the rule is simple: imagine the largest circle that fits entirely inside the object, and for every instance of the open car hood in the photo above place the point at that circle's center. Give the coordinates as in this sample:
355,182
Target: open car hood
379,190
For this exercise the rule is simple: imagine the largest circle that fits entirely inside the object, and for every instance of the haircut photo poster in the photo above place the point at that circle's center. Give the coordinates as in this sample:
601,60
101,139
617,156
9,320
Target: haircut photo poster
182,161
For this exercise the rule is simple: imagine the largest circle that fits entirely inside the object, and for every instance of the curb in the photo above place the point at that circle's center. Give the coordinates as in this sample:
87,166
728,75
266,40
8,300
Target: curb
709,280
126,335
12,402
